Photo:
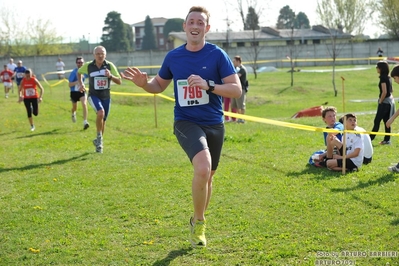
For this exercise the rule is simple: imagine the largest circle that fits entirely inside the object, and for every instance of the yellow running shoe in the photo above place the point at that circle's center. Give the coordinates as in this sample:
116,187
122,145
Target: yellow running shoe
197,236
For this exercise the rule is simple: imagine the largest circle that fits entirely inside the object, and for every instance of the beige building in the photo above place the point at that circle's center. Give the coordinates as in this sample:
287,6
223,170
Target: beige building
266,36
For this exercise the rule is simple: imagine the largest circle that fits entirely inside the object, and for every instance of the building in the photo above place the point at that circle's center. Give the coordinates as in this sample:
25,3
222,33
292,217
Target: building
268,36
158,23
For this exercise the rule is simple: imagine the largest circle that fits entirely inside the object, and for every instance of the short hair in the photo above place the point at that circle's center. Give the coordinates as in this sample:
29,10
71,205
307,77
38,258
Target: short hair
341,120
395,71
99,47
384,67
200,9
328,109
28,71
78,58
238,58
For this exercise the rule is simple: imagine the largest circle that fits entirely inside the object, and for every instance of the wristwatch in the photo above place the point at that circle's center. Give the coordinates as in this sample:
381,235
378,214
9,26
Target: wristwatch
211,85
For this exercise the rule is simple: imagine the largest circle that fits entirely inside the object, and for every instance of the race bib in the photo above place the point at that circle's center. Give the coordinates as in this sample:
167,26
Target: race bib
76,87
30,92
101,83
20,75
190,96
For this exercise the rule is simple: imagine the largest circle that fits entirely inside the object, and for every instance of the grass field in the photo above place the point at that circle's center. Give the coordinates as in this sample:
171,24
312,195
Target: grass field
63,204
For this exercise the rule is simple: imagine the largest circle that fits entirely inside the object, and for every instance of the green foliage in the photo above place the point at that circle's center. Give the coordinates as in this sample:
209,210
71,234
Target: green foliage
252,20
37,37
389,19
301,21
346,15
116,33
63,204
149,42
130,37
288,19
173,24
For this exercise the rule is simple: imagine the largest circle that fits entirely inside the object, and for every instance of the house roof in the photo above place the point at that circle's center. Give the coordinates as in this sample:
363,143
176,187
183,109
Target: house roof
155,22
270,34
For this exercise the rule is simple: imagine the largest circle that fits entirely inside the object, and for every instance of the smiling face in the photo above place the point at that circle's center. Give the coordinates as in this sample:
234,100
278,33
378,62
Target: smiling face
196,26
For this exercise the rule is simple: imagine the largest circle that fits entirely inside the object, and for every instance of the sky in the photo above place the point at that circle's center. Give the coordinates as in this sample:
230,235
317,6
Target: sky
76,20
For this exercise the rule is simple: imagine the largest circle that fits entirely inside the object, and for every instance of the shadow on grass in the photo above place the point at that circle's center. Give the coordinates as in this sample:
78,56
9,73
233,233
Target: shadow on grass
7,133
33,166
171,256
361,185
283,90
52,132
374,205
319,173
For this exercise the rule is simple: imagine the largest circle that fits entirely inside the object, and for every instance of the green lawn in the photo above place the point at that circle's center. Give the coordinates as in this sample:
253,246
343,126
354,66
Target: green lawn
63,204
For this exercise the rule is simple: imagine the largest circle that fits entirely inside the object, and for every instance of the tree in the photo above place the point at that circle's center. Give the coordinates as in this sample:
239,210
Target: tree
252,20
42,37
115,33
389,16
341,16
149,42
252,24
293,52
173,24
301,21
286,19
130,37
348,15
38,37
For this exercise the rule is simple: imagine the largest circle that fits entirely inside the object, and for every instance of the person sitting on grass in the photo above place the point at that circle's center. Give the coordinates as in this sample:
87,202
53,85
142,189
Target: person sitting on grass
329,116
354,148
368,147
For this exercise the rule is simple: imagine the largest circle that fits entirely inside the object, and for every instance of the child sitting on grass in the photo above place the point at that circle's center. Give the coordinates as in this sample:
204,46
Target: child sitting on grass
354,148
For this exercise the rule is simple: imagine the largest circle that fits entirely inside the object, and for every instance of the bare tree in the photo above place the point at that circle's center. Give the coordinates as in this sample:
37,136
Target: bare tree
293,52
339,16
38,37
250,22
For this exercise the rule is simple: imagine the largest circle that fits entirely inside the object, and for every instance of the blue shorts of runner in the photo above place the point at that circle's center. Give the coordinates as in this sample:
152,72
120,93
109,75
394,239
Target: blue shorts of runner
349,164
194,138
76,95
99,104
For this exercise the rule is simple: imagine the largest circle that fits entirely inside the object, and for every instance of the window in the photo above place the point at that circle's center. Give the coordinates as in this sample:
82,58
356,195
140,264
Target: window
160,30
241,44
161,41
316,41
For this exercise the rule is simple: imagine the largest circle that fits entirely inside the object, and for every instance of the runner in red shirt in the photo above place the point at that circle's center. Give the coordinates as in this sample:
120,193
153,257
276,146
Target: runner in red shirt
29,94
5,76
